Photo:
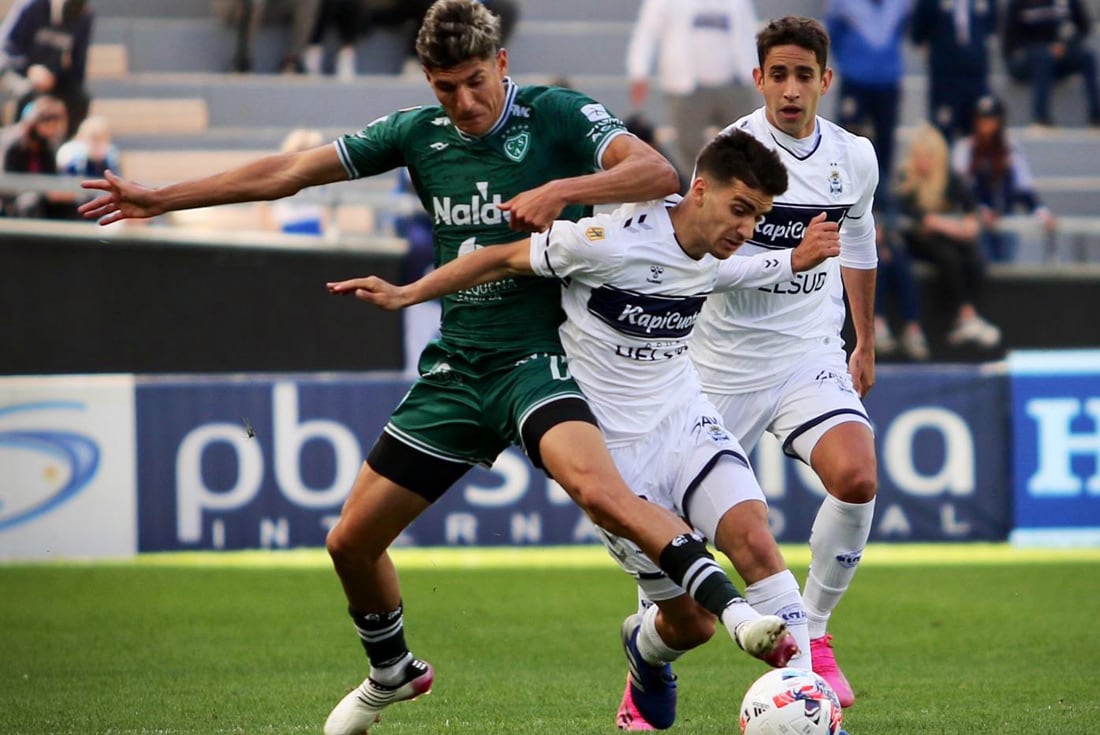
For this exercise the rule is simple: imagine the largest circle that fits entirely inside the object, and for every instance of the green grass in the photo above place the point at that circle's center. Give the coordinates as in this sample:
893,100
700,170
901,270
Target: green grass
933,643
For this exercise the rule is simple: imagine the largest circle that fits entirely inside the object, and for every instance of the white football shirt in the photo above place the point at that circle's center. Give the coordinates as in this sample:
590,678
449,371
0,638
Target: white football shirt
745,339
631,298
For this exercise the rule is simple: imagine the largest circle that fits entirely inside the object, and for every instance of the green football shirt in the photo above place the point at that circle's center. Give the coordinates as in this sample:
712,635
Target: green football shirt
545,133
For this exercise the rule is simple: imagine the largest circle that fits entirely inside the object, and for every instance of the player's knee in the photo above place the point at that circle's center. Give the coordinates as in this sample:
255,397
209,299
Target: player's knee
346,547
856,484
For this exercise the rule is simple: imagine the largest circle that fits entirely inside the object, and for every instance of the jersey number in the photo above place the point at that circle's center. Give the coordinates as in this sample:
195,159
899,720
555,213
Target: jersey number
559,368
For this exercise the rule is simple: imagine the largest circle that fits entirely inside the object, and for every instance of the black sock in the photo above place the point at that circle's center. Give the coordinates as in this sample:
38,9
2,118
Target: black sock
382,635
688,563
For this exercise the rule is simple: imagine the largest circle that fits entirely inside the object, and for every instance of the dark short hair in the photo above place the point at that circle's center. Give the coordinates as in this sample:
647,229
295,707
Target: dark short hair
793,30
457,31
736,155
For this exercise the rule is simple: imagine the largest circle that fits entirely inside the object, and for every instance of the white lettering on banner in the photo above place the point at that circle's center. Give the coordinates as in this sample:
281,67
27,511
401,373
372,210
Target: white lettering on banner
217,534
777,521
511,467
291,436
585,531
556,494
950,523
192,494
460,528
956,476
1058,443
769,463
894,522
526,529
274,533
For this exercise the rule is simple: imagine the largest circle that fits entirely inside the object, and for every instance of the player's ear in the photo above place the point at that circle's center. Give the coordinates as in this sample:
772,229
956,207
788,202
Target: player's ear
826,79
758,78
698,190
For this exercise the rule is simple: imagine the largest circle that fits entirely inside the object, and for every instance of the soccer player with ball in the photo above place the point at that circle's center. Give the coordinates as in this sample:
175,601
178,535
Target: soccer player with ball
636,280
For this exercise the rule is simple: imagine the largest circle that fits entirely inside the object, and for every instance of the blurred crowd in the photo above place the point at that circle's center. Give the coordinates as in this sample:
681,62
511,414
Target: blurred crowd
942,198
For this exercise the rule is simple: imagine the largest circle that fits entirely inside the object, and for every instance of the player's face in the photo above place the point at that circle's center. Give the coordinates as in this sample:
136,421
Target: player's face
727,215
472,93
792,84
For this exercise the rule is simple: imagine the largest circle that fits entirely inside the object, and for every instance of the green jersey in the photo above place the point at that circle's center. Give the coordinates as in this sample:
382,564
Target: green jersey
545,133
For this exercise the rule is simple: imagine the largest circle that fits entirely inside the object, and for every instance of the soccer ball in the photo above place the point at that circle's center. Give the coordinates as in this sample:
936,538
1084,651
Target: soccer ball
790,702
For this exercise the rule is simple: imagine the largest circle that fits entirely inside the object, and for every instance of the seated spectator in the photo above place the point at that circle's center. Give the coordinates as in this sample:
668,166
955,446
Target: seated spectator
940,226
246,17
346,17
993,162
894,277
45,51
30,147
1043,43
90,152
294,215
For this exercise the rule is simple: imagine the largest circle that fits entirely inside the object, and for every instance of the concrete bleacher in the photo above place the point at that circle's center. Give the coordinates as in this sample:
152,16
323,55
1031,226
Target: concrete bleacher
176,52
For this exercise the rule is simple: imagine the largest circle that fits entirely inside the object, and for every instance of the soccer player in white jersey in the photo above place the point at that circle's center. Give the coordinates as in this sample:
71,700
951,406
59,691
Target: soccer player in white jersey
636,280
772,358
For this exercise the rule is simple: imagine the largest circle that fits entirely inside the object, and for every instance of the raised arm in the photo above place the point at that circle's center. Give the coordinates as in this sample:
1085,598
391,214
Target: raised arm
271,177
633,172
484,265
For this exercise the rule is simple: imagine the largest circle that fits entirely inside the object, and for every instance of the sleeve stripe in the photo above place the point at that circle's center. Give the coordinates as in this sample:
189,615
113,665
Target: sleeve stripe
607,142
345,159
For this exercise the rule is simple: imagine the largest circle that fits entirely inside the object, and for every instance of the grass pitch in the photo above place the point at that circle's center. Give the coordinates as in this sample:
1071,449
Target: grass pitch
969,639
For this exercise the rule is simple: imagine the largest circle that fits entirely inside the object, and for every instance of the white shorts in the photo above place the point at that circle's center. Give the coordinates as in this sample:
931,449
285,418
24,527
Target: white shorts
691,466
816,396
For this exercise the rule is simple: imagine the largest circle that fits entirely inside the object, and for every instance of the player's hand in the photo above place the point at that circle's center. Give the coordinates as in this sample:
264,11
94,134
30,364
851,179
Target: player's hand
373,290
123,200
861,366
821,241
536,209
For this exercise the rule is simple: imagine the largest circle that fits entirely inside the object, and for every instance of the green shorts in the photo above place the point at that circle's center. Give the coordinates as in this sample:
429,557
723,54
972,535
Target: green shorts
469,405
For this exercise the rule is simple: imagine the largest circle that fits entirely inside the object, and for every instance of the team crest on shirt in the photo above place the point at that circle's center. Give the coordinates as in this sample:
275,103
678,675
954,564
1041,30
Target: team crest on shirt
595,233
836,186
515,146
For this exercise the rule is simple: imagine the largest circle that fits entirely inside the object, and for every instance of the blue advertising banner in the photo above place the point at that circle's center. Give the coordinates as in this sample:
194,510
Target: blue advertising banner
1056,447
238,462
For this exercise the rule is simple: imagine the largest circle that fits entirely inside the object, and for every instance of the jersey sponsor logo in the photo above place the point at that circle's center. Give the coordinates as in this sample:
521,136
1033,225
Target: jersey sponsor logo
808,282
595,112
645,315
515,146
785,225
519,111
655,272
595,233
439,146
441,121
480,209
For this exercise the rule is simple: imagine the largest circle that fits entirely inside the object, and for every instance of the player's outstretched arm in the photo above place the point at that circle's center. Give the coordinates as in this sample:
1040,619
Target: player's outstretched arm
484,265
633,172
267,178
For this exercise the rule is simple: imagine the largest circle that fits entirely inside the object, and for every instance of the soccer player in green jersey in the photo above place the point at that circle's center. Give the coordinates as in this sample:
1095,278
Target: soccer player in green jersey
491,160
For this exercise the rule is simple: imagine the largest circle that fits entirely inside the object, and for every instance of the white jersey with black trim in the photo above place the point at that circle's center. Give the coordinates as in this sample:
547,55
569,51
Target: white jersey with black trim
631,299
745,338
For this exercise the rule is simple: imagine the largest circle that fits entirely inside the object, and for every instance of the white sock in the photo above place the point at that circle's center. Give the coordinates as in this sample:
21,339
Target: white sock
393,674
737,612
653,649
779,595
839,534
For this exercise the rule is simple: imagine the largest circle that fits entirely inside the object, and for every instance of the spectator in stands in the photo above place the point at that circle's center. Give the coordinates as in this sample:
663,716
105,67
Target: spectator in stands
867,45
954,35
704,52
940,226
45,51
994,164
30,147
91,151
346,17
246,16
894,278
300,215
1043,43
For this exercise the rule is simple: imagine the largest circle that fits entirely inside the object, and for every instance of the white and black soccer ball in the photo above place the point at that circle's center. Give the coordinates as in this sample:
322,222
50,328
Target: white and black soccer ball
790,702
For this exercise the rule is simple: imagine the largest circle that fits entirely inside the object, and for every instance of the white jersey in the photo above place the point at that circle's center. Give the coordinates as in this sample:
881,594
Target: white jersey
631,301
745,338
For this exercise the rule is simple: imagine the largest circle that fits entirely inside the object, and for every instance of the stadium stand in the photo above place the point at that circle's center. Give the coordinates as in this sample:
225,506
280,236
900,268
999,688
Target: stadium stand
175,52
